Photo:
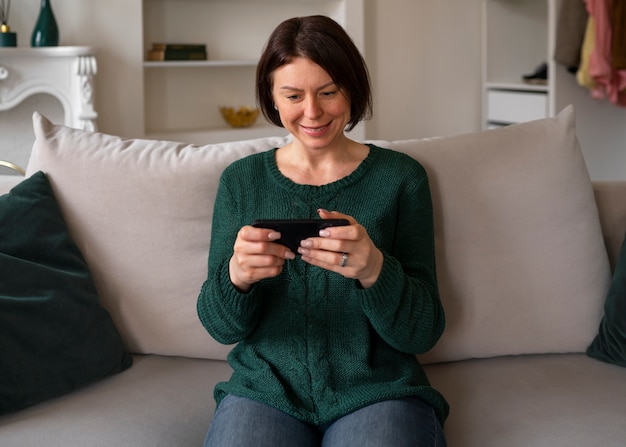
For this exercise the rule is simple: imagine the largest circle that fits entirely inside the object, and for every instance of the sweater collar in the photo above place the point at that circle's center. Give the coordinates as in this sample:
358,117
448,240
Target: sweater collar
321,190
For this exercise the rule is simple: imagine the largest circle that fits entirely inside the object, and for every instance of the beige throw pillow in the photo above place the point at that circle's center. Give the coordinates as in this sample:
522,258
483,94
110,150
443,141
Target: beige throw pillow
521,261
140,211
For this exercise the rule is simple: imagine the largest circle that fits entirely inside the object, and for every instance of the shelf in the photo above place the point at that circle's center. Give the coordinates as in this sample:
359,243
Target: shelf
516,86
49,52
182,96
515,42
516,38
245,1
218,135
201,64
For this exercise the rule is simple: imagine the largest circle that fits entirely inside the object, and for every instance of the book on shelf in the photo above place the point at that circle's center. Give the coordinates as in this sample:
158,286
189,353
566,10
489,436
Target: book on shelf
179,46
177,55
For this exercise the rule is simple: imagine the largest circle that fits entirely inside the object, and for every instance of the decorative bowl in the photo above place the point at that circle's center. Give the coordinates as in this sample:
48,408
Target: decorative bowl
241,117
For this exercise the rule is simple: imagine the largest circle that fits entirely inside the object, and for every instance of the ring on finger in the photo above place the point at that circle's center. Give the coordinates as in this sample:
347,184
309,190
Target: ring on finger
344,260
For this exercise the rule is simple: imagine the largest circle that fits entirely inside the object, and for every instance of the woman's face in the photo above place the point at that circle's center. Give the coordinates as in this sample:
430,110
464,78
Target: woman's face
309,103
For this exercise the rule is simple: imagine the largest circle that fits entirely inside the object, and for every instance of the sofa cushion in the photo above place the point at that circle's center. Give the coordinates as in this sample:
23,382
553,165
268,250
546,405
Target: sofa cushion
609,345
532,401
54,336
521,261
162,401
141,212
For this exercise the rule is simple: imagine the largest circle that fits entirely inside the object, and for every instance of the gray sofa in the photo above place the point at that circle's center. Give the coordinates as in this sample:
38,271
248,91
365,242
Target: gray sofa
525,246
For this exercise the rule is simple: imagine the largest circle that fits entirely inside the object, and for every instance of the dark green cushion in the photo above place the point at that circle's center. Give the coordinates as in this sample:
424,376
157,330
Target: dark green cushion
610,343
54,335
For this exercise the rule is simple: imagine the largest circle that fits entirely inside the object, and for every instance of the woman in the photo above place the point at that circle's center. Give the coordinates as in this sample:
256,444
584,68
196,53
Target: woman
326,336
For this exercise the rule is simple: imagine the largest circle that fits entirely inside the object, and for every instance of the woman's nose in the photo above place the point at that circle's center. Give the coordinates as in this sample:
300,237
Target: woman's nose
312,108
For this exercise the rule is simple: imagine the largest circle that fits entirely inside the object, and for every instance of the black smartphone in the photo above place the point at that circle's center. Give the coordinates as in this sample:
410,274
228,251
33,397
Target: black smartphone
292,231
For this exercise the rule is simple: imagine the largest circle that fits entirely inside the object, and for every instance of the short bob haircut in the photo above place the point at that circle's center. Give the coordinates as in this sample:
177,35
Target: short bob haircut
324,42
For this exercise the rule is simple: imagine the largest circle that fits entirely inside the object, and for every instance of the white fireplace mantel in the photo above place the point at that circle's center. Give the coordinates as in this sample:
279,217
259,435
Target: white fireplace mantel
65,73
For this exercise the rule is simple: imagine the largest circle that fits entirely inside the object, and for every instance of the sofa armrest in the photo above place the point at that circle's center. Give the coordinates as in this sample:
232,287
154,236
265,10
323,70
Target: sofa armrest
611,201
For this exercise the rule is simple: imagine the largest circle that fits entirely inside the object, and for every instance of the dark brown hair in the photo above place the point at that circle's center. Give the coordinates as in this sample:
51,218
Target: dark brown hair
324,42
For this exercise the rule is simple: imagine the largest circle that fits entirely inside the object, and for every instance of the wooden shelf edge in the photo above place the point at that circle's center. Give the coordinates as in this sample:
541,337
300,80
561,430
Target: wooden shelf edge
206,64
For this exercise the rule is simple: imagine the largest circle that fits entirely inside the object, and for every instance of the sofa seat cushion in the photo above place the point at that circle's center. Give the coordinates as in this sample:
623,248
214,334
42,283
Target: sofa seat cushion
513,401
534,400
159,402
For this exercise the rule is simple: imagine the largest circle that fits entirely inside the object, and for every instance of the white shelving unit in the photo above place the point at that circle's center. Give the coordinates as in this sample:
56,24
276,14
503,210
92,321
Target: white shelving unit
182,99
517,37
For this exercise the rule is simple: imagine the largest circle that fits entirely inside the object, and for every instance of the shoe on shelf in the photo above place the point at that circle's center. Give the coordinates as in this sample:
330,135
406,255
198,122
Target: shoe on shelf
539,76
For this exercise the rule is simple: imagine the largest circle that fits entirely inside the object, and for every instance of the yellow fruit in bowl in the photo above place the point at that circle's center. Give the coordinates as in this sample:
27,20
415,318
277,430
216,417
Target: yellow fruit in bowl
241,117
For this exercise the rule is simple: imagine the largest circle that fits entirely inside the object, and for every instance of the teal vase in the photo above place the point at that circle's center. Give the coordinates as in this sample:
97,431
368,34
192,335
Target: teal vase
46,32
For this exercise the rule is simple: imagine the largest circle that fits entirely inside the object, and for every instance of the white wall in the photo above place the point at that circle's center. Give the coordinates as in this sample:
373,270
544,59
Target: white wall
424,58
600,126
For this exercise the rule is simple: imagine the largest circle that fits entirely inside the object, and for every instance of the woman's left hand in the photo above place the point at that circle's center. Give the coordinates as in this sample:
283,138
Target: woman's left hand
347,250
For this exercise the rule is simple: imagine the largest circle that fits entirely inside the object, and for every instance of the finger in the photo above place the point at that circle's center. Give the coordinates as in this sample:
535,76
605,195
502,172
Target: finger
257,254
250,233
325,214
327,258
333,262
253,261
327,243
243,276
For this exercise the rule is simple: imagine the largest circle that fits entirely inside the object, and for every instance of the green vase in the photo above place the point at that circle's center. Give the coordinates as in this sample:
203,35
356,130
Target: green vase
46,32
7,38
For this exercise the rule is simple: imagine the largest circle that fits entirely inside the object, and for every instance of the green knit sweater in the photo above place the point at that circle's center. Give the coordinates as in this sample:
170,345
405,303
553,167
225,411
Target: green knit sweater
310,342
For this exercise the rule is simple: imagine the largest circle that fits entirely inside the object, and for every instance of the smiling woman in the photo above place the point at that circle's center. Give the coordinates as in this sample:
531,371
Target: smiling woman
326,331
315,111
339,57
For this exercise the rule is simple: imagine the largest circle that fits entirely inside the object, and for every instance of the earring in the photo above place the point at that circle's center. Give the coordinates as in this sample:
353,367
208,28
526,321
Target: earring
275,108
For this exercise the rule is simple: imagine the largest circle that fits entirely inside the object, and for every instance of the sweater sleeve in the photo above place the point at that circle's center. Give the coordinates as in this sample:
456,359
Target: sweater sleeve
403,305
227,314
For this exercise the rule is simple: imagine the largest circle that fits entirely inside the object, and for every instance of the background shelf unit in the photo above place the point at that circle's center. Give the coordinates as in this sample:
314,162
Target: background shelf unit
516,40
182,99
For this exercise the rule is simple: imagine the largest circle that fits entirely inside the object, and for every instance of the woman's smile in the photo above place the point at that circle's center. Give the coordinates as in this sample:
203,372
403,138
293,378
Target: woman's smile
311,106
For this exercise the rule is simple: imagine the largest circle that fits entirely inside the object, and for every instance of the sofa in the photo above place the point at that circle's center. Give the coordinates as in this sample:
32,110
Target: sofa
527,260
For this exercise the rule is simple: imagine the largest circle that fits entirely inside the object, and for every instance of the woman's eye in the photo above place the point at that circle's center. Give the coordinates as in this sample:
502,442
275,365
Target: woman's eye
329,93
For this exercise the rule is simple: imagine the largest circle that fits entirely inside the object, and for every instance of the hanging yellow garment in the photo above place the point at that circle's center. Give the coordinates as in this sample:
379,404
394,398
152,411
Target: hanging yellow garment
582,75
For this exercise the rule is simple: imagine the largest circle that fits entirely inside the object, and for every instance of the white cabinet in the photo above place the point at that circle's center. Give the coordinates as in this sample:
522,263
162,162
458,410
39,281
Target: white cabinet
515,106
182,99
516,40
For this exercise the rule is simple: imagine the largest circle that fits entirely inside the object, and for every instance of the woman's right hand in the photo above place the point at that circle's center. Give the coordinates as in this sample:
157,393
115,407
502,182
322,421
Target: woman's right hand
256,256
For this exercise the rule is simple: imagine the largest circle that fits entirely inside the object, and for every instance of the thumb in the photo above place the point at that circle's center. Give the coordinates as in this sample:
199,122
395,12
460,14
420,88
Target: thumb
325,214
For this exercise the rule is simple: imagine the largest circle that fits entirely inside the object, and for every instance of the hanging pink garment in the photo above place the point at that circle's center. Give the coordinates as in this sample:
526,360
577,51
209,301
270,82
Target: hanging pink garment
610,83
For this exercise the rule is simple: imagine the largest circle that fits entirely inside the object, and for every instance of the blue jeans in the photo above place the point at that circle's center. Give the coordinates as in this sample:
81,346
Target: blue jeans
409,422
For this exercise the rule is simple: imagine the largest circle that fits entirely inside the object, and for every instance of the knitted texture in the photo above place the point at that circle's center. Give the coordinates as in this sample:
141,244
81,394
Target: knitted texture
310,342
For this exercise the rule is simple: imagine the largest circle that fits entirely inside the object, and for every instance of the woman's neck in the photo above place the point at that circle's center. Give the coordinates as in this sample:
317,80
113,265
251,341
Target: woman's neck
318,167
